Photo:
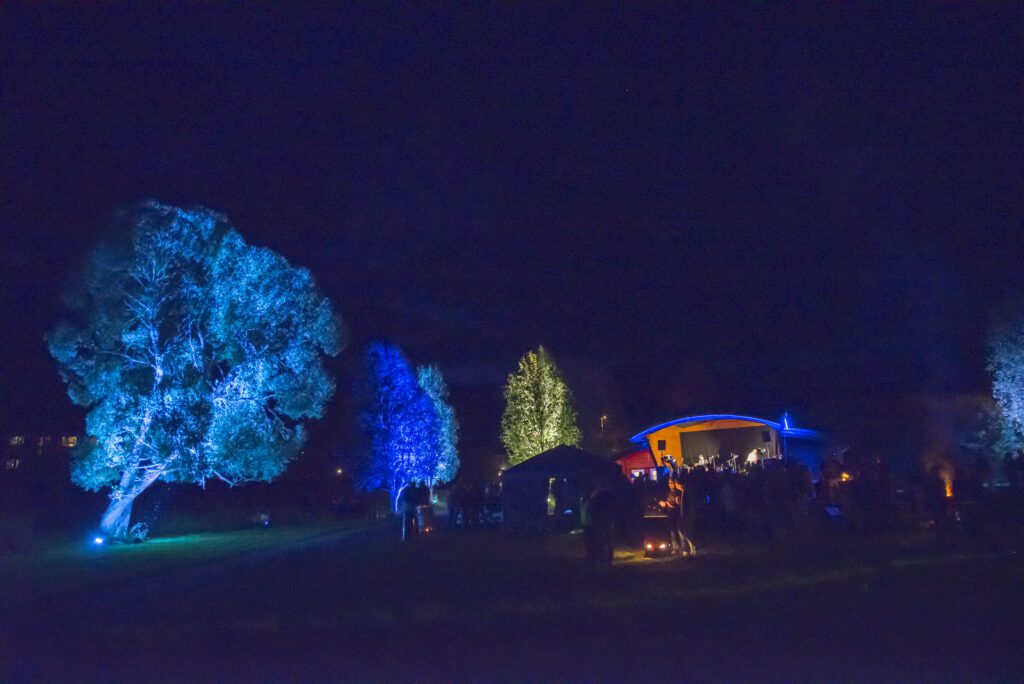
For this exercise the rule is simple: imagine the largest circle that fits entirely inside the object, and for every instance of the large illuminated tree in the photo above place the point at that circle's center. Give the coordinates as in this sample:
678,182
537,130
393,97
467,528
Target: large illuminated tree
197,356
398,417
539,413
1006,364
445,428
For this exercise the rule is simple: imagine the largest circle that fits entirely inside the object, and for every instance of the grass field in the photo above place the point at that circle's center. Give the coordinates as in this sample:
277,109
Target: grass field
84,564
354,604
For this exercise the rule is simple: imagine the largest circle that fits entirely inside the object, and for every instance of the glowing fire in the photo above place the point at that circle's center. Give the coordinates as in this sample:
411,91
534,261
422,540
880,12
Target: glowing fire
939,465
845,477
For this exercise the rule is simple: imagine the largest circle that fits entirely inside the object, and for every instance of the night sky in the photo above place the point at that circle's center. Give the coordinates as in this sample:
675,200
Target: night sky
751,208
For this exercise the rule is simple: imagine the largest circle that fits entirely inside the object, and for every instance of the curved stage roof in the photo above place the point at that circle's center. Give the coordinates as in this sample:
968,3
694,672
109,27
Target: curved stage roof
724,421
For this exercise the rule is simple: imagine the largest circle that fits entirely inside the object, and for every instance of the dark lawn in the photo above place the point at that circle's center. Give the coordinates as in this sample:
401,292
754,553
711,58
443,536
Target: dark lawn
477,605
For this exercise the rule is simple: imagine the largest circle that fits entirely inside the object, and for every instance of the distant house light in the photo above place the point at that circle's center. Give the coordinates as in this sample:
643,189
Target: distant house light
69,442
17,440
43,441
13,463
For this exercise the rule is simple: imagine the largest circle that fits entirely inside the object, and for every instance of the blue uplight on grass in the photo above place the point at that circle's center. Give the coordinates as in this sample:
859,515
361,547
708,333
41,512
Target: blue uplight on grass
98,540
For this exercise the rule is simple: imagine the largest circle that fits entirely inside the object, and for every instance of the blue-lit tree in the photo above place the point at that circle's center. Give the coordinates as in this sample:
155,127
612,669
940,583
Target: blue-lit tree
197,356
445,429
398,418
1006,364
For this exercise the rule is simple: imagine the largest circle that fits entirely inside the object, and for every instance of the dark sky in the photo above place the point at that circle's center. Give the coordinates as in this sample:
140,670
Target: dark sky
756,207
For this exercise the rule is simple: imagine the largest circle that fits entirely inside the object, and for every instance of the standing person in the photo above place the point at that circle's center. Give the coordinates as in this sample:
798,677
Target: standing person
424,510
597,513
472,513
456,501
983,470
687,518
673,507
728,504
587,521
1010,469
407,507
935,499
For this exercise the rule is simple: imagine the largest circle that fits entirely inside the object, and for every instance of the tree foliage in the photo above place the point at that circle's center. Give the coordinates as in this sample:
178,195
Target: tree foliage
539,413
411,428
984,432
445,432
197,356
1006,364
398,417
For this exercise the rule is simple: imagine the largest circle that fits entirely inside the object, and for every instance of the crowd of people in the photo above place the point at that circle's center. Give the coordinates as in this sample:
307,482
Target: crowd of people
766,499
780,497
693,503
962,492
468,506
473,505
705,500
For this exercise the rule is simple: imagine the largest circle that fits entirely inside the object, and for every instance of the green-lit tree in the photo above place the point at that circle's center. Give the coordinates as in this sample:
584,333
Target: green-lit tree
539,413
196,355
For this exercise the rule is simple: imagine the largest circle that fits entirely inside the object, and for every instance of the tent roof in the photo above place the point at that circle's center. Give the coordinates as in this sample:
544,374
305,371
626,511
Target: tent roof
720,421
563,459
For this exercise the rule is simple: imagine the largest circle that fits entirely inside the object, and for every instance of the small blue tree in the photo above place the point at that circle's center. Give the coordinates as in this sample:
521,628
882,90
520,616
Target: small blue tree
444,434
398,418
196,355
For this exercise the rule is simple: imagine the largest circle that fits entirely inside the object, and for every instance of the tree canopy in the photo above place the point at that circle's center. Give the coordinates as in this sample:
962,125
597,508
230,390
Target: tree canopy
445,434
399,420
197,356
411,428
539,413
1006,364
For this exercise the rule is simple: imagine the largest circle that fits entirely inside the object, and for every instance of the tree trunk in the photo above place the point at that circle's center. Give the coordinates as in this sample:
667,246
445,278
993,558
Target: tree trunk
114,522
117,517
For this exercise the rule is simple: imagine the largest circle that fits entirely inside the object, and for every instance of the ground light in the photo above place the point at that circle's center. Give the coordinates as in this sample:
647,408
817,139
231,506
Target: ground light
98,541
